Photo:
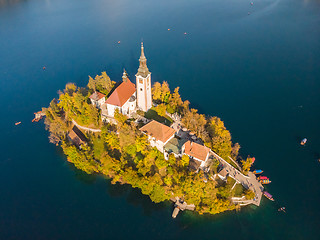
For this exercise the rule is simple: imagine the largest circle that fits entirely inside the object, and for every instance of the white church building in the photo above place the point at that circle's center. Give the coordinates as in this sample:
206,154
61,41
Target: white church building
127,97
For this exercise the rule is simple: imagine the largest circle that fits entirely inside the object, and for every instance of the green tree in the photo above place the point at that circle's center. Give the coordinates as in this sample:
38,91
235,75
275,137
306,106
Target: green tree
195,122
91,84
165,92
249,194
221,138
156,91
184,161
120,118
161,110
246,165
172,160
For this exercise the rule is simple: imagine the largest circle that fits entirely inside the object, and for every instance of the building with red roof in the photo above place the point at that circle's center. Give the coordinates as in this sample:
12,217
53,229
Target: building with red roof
196,152
122,98
158,134
97,99
127,97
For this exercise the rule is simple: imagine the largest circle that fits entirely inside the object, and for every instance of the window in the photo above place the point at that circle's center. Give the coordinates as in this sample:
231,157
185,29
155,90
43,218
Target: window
140,89
140,81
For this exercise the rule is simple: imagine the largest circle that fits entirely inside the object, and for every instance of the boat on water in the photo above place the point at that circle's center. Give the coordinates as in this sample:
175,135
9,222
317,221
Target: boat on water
17,123
263,178
258,171
303,141
283,209
265,181
268,195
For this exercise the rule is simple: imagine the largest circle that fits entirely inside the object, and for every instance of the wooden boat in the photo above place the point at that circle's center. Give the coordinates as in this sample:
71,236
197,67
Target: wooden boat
265,181
303,141
268,195
257,171
17,123
263,178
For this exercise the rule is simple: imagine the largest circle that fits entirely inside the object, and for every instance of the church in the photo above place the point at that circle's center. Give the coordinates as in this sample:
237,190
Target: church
127,97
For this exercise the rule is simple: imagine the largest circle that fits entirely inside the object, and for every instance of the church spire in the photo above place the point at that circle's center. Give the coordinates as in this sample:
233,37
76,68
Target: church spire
124,76
143,69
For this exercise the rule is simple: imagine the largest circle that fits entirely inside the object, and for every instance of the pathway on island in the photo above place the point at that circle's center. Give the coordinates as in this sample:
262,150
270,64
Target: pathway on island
85,128
249,182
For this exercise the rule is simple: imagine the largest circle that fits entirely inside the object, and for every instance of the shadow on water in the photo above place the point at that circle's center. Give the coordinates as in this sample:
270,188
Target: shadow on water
88,179
135,197
80,175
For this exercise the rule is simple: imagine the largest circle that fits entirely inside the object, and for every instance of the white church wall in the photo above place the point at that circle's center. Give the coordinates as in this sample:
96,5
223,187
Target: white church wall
144,99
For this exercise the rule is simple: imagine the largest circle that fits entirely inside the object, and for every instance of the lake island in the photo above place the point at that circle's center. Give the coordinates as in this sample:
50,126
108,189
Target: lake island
145,135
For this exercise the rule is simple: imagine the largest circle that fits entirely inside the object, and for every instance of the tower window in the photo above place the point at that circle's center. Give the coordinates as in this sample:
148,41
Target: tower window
140,81
140,89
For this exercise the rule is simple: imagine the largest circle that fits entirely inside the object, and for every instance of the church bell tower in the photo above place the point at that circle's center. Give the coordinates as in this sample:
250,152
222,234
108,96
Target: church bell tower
143,84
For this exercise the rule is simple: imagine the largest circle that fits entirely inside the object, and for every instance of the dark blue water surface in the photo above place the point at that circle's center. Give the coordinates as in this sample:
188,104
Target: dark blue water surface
259,72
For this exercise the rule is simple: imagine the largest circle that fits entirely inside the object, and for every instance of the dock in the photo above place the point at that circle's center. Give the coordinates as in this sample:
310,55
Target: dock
38,116
180,204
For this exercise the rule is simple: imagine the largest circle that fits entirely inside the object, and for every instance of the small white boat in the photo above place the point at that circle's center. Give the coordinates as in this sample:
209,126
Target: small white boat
303,141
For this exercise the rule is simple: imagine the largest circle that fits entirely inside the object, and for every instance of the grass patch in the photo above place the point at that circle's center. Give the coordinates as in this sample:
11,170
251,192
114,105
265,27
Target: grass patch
238,190
98,147
152,114
230,182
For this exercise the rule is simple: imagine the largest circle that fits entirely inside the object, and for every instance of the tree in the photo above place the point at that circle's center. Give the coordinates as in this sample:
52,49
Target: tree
249,194
165,92
156,91
184,161
70,88
112,140
120,118
106,82
161,110
92,84
246,164
235,150
175,101
172,160
101,83
194,121
220,137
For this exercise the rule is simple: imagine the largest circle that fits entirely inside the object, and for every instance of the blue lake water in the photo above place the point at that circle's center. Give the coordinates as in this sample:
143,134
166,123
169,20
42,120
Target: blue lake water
257,67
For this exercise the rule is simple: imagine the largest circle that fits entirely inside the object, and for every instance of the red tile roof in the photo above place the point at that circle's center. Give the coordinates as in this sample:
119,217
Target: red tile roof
158,130
122,93
97,96
196,150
